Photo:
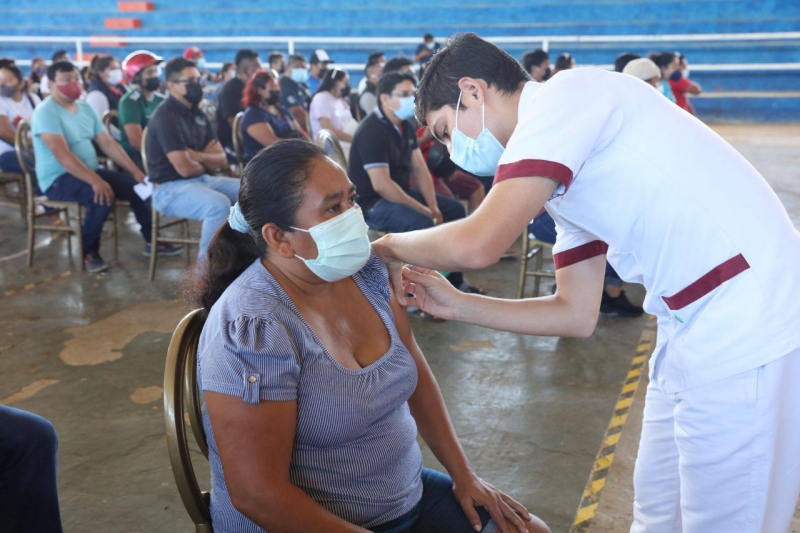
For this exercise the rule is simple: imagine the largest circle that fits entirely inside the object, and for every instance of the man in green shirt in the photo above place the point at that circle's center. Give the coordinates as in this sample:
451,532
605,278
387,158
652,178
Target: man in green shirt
137,105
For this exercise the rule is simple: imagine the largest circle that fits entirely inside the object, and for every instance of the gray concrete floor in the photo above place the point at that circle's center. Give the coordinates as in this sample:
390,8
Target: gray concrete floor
87,352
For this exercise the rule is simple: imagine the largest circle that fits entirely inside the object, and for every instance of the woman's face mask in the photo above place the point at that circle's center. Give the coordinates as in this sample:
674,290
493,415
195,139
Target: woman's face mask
114,76
342,246
299,75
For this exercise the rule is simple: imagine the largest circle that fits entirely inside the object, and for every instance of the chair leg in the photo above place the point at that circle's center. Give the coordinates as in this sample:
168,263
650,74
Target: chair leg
523,268
115,231
185,226
31,236
79,235
154,244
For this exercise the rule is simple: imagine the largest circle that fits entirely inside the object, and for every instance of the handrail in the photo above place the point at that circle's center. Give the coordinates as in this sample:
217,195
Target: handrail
543,40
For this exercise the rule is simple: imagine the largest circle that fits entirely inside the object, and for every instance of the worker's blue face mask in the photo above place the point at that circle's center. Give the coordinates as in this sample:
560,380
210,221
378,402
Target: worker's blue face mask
477,156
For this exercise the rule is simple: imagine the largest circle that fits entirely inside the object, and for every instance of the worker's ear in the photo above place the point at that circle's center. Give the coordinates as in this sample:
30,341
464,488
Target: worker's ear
473,91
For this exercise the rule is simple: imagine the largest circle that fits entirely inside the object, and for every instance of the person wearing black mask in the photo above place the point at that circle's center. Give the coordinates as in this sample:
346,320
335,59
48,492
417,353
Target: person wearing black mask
182,151
265,120
137,106
329,108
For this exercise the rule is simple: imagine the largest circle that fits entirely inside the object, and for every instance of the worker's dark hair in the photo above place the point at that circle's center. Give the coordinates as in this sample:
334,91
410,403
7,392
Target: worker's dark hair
623,59
271,191
59,66
535,57
175,66
274,56
466,54
427,37
374,58
295,58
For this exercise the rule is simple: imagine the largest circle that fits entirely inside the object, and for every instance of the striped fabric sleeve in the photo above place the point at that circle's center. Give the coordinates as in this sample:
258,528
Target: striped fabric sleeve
252,358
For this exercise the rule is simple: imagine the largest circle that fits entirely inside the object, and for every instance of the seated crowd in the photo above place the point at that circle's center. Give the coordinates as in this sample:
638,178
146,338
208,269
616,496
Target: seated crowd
282,325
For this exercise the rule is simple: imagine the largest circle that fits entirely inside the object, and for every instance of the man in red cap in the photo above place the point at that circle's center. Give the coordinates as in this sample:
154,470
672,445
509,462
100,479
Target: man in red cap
143,72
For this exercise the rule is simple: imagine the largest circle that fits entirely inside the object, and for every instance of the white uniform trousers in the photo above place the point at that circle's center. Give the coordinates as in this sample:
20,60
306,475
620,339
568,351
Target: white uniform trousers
721,458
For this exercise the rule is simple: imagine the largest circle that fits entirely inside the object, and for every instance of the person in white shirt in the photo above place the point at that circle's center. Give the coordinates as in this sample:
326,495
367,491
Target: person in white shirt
15,105
329,108
106,87
709,240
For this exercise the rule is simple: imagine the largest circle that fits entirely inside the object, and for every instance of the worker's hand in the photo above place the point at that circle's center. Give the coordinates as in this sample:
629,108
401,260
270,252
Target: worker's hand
437,216
430,291
103,193
509,515
383,250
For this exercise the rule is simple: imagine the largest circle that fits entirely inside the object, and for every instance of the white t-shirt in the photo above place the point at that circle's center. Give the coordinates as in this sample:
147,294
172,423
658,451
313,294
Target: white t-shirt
16,111
677,209
325,105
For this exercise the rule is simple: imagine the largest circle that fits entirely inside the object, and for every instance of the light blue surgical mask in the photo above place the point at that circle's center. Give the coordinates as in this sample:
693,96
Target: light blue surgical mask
299,75
201,63
342,246
478,156
406,109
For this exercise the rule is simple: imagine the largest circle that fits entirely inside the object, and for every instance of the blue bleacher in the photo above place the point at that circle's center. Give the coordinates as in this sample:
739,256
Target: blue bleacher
362,18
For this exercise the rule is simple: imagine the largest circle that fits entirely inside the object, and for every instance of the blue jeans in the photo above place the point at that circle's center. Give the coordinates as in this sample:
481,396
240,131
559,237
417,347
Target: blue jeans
9,162
544,228
205,198
28,462
68,188
399,218
437,511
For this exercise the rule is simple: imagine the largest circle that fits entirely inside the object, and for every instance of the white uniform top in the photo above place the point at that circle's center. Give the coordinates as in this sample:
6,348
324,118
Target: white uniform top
677,209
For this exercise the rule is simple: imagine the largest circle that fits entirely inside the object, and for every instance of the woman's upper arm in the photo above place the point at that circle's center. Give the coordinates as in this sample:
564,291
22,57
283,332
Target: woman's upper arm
262,132
255,443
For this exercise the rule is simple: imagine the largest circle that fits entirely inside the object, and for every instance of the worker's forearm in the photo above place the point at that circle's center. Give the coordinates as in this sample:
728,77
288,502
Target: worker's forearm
120,157
438,248
546,316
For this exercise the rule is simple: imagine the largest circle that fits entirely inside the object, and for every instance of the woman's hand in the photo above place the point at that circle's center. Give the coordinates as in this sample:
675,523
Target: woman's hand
470,491
430,291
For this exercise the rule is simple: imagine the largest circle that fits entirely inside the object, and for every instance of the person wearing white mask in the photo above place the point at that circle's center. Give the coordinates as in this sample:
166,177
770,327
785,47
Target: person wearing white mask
314,386
709,240
384,156
106,87
295,94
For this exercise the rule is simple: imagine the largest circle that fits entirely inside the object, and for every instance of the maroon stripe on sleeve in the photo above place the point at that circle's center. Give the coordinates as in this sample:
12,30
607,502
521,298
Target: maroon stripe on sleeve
579,253
707,283
534,168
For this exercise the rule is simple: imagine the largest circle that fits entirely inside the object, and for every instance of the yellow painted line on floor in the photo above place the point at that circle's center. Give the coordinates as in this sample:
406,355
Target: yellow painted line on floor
30,286
605,456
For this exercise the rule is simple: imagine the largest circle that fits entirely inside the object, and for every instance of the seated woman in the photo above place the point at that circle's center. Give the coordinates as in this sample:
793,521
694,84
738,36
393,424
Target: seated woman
265,120
311,423
329,108
106,87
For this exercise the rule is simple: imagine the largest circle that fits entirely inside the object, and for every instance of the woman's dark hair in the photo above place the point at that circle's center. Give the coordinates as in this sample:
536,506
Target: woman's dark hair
15,70
250,94
271,191
465,54
329,79
98,64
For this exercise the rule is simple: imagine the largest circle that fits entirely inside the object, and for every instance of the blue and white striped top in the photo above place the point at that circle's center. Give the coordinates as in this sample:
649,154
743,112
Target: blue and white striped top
355,450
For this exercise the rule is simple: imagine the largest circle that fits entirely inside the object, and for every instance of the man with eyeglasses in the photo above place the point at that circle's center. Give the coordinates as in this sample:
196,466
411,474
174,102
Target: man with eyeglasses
182,151
384,155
